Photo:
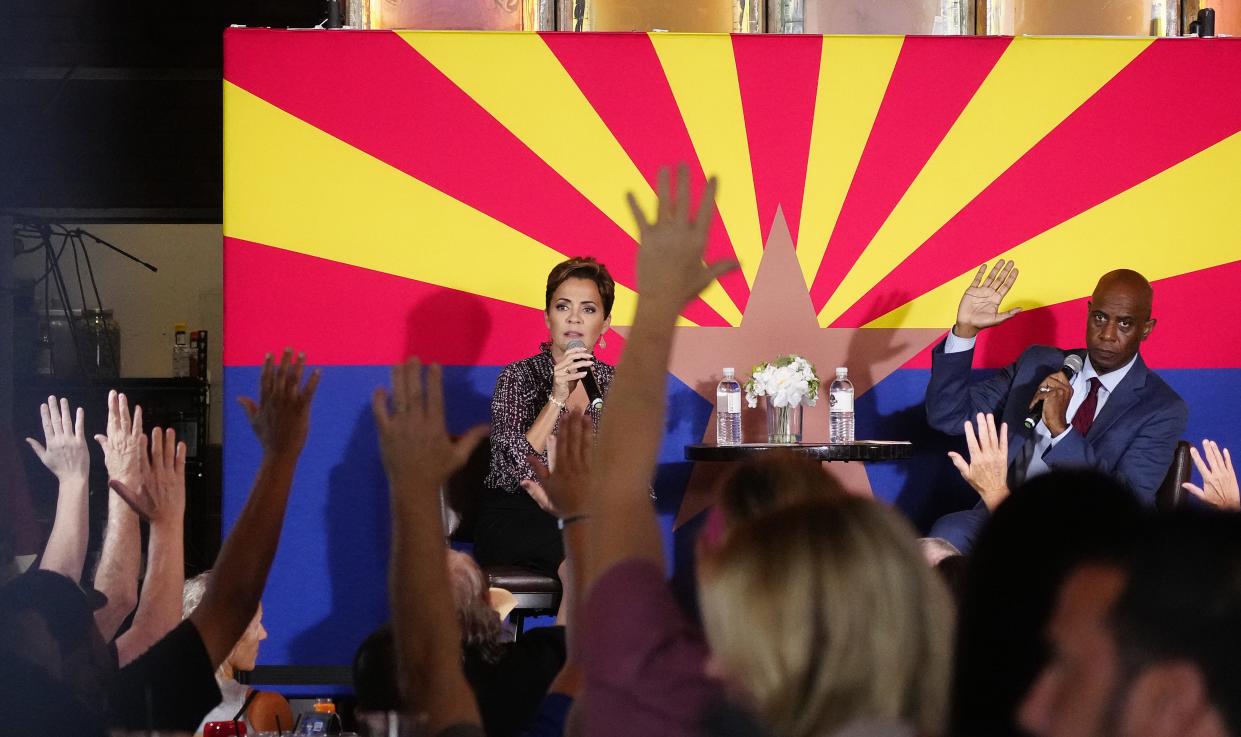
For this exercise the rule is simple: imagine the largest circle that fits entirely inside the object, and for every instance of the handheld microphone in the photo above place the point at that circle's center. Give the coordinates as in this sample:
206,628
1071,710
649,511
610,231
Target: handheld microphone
1072,364
591,386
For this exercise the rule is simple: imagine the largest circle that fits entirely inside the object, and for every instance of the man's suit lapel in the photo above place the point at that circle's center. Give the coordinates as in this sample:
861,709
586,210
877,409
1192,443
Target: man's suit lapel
1127,394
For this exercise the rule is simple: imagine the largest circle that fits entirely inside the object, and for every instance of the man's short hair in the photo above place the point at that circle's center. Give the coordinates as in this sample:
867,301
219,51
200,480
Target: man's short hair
1182,603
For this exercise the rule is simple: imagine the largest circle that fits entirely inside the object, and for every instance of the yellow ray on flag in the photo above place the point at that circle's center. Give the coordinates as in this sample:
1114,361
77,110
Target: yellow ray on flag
287,184
702,73
1144,228
1034,86
548,112
853,76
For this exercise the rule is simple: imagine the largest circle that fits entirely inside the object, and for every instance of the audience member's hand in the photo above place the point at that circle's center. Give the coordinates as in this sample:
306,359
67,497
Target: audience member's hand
413,442
160,497
64,450
281,417
980,305
566,482
1219,480
1055,392
124,445
987,470
670,267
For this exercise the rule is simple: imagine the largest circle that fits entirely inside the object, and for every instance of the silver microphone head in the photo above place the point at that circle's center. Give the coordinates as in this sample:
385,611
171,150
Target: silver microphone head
579,343
1073,362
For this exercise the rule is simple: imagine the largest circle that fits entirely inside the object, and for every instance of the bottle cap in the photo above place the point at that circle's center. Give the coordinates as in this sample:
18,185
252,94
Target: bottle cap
179,327
729,371
842,371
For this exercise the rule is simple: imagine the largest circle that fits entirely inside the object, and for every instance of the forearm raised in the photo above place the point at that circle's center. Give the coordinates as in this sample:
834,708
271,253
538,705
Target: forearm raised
159,611
427,634
119,564
66,545
629,440
544,425
245,559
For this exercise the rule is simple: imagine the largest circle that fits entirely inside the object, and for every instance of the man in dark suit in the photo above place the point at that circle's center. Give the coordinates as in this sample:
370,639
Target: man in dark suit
1115,415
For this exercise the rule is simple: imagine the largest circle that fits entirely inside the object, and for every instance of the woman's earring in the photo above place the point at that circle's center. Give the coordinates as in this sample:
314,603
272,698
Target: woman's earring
603,341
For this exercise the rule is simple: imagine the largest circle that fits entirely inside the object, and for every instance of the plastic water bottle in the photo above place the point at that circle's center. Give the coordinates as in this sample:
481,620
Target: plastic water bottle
180,352
728,410
840,412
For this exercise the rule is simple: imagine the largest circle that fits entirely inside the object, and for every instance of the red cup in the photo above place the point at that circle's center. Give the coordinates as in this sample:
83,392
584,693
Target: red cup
224,729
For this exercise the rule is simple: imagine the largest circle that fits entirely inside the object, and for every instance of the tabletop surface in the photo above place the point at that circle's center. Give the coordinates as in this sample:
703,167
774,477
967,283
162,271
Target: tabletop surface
861,450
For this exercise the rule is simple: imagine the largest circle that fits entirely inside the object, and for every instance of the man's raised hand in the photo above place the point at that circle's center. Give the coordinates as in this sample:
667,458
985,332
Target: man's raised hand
124,444
413,441
281,417
670,266
980,305
160,496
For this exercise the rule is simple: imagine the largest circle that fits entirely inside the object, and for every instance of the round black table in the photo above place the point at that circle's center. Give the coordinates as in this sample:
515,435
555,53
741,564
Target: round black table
862,450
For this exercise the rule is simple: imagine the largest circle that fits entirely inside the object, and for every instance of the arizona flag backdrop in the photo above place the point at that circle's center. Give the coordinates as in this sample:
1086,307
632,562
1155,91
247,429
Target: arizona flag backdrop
389,194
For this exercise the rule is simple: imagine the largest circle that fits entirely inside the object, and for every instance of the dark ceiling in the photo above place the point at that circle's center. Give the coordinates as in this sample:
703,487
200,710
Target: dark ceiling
110,110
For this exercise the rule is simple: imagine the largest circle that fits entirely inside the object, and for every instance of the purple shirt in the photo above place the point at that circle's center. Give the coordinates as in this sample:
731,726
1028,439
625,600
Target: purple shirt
643,657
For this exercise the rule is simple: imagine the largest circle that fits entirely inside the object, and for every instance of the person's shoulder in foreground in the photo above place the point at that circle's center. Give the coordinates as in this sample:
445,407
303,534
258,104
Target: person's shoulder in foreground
174,680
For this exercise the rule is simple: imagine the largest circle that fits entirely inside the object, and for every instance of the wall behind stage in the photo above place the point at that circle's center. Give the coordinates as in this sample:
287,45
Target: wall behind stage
389,194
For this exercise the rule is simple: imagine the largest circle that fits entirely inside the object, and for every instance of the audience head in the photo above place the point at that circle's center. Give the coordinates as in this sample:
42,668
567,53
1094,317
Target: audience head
375,674
774,480
823,613
579,298
480,625
245,653
1151,648
1118,318
1045,528
47,623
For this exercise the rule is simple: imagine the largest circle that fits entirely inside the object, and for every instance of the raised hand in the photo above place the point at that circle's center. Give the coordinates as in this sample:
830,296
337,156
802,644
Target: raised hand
1219,479
124,445
987,469
413,441
160,497
980,305
281,417
670,267
63,450
564,485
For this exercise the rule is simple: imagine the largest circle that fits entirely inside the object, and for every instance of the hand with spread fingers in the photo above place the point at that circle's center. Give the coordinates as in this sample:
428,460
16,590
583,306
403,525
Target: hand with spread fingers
565,484
987,469
281,417
160,497
980,305
670,267
124,444
413,441
63,450
1219,479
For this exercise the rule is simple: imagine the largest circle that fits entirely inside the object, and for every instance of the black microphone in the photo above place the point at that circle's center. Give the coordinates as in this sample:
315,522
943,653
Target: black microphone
591,386
1072,364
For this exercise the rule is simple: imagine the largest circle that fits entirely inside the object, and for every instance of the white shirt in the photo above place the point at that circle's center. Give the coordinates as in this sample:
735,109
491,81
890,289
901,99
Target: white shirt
1042,439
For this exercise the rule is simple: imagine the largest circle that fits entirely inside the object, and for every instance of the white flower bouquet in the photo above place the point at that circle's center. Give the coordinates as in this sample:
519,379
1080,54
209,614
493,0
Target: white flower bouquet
787,381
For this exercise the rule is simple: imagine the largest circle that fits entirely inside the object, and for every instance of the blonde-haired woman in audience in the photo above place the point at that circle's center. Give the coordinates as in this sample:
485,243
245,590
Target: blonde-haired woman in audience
823,618
264,708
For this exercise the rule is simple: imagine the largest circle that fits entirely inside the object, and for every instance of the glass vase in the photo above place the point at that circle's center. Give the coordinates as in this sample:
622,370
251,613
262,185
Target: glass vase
783,424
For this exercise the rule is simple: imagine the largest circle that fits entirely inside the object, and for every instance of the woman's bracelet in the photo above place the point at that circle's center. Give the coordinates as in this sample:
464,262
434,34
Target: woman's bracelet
556,402
564,522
